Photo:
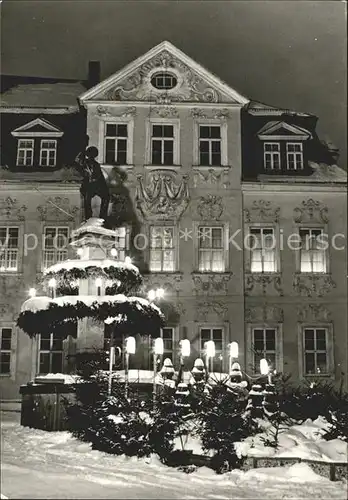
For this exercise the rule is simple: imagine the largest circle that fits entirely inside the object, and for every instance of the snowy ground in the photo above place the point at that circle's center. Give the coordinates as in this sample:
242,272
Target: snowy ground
38,464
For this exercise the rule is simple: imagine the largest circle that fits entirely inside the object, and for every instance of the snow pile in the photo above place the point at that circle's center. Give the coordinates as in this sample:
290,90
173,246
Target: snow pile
298,441
70,264
57,377
39,464
95,226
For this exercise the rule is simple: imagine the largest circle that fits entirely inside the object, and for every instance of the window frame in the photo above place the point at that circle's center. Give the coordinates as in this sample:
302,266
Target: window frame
272,155
264,226
173,340
50,352
19,148
279,354
311,228
329,349
225,238
44,250
48,150
11,351
174,248
6,250
197,123
220,363
175,123
116,139
294,154
116,120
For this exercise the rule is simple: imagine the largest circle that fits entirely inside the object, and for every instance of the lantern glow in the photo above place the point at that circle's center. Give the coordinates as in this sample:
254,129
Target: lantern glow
234,349
264,368
130,345
158,346
127,260
52,283
185,348
32,292
210,348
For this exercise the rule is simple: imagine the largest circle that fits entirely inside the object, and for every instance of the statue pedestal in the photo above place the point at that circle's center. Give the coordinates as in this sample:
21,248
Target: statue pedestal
93,243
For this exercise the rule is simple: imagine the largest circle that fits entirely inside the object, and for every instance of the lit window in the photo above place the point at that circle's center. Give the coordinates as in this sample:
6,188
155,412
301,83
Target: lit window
164,81
217,335
50,353
271,155
294,155
48,153
9,248
5,351
262,250
264,346
121,243
167,335
211,255
315,351
162,144
162,252
25,152
116,137
312,252
210,145
55,247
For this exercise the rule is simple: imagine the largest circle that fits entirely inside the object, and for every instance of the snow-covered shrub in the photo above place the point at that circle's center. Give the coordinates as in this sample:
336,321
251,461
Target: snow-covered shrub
223,422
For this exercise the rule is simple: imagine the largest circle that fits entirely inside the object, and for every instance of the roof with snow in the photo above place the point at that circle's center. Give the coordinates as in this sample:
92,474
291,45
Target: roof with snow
322,173
260,108
48,95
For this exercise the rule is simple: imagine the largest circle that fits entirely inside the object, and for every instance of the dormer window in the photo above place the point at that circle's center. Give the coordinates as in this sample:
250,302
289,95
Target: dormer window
272,155
37,143
294,156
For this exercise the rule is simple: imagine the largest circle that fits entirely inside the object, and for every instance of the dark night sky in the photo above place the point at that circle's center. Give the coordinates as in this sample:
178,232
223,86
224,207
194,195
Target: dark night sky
289,54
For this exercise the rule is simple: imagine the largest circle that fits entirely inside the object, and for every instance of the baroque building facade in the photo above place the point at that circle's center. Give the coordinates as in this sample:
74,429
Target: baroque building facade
214,186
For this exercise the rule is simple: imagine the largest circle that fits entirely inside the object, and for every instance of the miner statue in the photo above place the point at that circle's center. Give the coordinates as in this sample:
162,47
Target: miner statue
93,182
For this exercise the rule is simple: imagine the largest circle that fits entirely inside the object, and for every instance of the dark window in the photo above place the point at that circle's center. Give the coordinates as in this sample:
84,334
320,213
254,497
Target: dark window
116,144
209,145
164,81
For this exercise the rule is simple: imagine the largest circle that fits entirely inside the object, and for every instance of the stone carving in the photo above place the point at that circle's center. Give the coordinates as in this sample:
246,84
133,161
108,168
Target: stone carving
261,211
166,112
313,312
211,283
10,209
311,211
215,176
137,87
217,114
311,285
6,309
57,208
170,282
262,284
105,111
162,198
210,207
204,309
264,314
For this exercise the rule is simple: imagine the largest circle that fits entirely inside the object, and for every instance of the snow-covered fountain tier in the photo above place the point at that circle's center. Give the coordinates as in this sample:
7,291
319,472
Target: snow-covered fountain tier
93,289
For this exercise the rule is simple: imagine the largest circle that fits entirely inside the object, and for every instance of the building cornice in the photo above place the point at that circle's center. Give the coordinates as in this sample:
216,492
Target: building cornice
42,111
270,188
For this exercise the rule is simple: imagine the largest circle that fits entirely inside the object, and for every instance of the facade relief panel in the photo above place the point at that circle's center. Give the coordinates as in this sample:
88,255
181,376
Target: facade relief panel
313,285
263,284
10,209
313,313
264,314
261,211
311,211
58,209
211,283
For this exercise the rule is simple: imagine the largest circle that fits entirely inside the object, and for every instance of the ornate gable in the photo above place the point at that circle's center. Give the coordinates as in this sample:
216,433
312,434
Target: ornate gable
190,81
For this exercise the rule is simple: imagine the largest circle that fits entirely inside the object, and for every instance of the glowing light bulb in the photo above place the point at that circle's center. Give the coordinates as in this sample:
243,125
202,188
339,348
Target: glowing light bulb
127,260
151,295
113,252
32,292
79,251
159,293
